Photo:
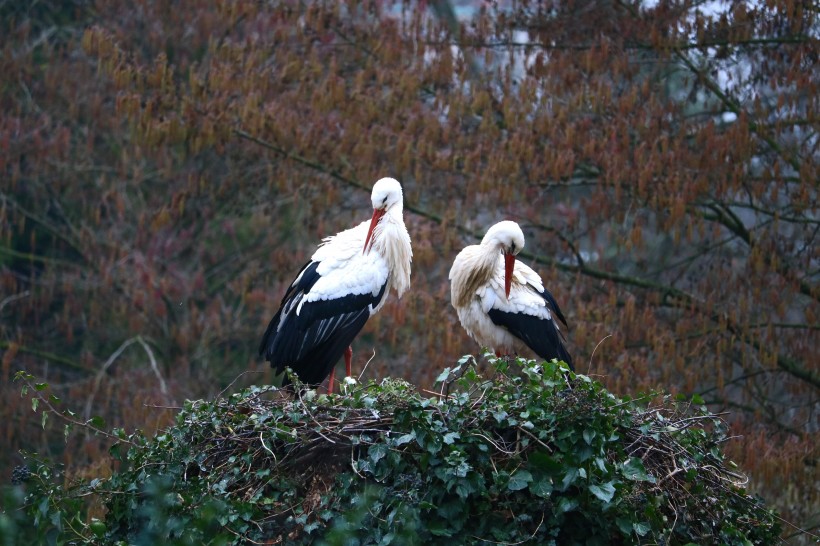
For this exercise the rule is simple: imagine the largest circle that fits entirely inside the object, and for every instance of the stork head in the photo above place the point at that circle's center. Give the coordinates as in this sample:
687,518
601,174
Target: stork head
386,194
509,239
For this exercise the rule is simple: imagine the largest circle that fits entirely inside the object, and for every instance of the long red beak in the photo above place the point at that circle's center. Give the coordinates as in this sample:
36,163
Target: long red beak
509,264
368,242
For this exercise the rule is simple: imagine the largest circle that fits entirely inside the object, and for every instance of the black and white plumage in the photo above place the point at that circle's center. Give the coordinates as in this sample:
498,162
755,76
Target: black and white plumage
501,302
346,281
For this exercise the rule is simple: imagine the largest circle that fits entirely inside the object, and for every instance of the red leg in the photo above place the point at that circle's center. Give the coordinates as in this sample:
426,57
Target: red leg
331,380
498,354
348,360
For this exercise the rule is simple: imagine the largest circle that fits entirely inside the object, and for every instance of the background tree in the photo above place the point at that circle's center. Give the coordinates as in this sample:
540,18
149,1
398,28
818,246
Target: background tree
167,168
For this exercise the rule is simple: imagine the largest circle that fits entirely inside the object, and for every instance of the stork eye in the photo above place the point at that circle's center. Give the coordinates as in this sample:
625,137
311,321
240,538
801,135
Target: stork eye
384,201
512,248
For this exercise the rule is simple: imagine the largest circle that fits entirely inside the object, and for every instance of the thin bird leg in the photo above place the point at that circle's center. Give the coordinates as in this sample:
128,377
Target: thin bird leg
331,380
348,360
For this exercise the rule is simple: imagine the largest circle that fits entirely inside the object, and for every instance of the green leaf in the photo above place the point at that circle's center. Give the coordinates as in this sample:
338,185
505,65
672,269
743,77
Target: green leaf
450,437
604,492
97,422
625,525
569,478
541,488
641,528
634,470
377,452
566,504
589,435
34,403
401,440
97,527
40,386
44,419
114,451
545,462
442,377
439,529
519,480
500,415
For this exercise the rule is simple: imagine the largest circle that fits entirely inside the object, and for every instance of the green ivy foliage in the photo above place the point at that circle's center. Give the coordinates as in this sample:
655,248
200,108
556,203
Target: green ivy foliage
532,453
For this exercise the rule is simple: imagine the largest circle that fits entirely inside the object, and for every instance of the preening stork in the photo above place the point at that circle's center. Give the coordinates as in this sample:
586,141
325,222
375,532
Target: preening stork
345,282
501,302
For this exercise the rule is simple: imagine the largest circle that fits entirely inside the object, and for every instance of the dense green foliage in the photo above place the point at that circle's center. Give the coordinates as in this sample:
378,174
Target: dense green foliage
532,453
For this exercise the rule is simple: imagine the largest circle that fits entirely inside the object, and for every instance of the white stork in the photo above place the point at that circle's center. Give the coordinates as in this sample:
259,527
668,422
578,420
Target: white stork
346,281
501,302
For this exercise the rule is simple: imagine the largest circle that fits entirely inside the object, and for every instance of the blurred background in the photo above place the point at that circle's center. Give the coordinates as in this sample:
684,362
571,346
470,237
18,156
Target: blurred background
166,168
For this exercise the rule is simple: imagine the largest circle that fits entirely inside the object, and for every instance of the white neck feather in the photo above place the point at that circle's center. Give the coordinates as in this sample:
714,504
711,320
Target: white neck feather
476,266
392,241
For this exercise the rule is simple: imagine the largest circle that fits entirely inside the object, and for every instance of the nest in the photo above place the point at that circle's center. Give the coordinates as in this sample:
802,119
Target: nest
255,444
677,469
308,437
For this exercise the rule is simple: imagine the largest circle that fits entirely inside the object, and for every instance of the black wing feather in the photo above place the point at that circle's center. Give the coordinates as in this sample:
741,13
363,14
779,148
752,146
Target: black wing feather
307,278
553,305
314,340
539,334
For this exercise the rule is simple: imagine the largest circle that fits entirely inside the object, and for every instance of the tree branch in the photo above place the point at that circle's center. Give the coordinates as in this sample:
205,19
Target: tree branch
733,106
43,354
682,46
728,219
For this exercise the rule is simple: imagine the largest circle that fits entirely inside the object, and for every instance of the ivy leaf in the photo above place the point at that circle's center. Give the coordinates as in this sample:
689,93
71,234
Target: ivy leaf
519,480
634,470
545,462
566,504
569,478
377,452
405,438
604,492
97,422
589,435
541,488
442,377
625,525
439,529
450,437
641,528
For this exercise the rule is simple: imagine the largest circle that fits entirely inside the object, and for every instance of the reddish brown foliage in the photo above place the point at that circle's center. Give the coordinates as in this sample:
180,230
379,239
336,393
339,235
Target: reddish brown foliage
167,168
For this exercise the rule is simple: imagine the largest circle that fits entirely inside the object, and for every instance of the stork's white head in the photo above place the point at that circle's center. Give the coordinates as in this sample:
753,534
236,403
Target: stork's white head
386,195
507,235
509,239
